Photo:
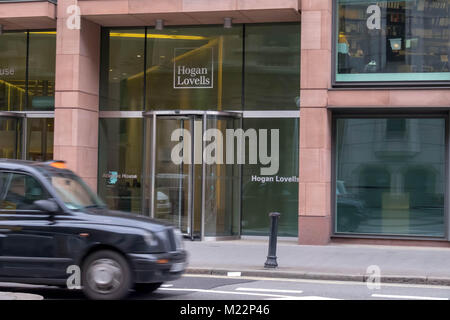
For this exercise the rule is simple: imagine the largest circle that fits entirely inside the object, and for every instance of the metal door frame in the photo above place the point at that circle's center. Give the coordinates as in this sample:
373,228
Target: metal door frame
192,115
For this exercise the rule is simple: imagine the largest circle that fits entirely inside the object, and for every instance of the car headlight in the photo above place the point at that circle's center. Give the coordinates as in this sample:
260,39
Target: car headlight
151,240
178,239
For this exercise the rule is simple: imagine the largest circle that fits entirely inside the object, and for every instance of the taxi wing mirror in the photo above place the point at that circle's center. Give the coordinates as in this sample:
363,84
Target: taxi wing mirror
49,206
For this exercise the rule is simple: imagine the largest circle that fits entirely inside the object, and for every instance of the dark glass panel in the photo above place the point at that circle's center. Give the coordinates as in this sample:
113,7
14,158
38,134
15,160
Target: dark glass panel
13,55
274,193
122,69
120,163
390,183
41,70
272,67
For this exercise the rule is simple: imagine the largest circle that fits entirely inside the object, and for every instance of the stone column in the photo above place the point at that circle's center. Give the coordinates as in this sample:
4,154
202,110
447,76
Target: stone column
77,95
315,123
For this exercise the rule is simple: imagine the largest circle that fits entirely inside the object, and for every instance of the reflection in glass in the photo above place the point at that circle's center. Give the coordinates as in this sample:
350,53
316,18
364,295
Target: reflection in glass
120,163
393,40
265,194
390,183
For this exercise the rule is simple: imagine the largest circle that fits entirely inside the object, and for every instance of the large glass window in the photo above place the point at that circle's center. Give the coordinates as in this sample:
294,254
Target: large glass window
120,163
272,67
122,70
263,194
400,40
390,176
194,68
201,68
33,90
13,60
41,70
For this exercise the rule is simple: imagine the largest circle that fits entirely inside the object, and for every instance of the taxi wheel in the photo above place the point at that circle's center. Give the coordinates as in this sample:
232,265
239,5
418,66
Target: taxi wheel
147,287
106,275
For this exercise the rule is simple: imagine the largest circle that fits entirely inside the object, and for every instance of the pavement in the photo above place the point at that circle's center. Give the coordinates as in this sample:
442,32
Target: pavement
343,262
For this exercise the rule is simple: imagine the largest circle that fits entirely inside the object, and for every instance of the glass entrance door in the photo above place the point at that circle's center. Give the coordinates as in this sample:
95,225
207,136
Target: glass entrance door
199,194
27,136
174,192
222,183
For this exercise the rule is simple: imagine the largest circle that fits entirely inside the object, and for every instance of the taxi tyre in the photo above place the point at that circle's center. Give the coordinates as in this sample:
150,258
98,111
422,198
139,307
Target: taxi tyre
147,287
96,263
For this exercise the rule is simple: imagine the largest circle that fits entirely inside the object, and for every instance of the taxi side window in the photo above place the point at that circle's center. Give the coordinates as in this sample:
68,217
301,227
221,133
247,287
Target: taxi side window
19,191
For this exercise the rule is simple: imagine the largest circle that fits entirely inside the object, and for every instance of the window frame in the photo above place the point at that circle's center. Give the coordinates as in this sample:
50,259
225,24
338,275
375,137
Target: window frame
388,114
370,84
21,211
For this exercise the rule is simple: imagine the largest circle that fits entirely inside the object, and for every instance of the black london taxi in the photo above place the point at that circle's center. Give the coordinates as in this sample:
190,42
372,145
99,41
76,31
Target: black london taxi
55,231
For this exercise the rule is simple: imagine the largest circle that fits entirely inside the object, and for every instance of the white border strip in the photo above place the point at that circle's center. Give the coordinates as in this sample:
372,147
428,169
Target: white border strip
394,296
272,114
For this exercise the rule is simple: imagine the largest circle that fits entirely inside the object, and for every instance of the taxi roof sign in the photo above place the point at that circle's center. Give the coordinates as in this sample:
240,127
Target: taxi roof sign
59,164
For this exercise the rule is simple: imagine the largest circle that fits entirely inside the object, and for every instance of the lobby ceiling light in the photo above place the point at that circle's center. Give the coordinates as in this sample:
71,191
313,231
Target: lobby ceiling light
227,23
159,25
396,44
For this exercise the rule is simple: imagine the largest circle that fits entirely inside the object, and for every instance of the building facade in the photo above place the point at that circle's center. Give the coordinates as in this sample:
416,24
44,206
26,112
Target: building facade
333,113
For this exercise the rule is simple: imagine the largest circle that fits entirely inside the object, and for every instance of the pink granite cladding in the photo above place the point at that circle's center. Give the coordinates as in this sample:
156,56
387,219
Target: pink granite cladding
314,230
76,95
313,98
322,5
389,98
315,128
315,69
28,15
12,10
76,127
137,12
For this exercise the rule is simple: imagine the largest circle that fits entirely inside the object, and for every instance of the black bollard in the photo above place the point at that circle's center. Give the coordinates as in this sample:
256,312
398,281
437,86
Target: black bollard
271,261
